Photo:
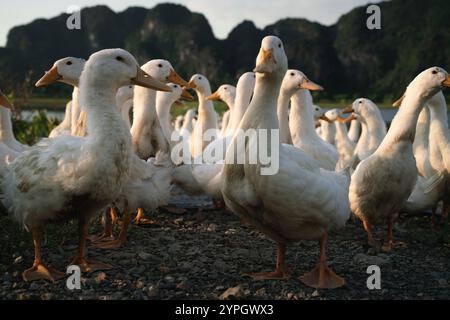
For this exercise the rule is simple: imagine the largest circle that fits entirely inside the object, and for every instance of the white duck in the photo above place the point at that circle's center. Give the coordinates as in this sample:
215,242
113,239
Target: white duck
72,177
6,131
327,131
226,93
302,124
67,70
146,131
373,126
344,145
422,199
207,117
209,174
298,202
7,154
164,102
383,182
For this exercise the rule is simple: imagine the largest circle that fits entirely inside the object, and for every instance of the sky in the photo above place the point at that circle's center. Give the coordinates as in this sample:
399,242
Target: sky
223,15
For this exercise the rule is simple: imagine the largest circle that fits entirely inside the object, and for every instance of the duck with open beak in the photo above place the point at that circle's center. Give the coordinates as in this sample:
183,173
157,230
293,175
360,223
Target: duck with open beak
4,102
348,109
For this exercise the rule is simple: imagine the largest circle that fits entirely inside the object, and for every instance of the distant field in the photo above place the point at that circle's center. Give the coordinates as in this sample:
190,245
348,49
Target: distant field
56,104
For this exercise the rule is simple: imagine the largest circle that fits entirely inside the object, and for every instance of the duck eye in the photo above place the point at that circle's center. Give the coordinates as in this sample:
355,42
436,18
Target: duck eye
225,88
292,74
199,78
131,87
175,86
360,101
279,45
159,65
69,63
119,58
434,72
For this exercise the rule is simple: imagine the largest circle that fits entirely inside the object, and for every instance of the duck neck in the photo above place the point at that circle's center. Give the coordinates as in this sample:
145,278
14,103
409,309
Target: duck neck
283,116
144,109
422,131
163,110
302,115
106,127
355,127
341,131
262,113
240,107
439,132
403,126
76,109
205,107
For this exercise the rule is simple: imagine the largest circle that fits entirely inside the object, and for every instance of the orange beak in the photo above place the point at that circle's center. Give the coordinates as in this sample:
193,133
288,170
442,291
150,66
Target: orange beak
397,103
144,80
175,78
50,76
191,85
4,101
308,84
186,95
446,82
213,97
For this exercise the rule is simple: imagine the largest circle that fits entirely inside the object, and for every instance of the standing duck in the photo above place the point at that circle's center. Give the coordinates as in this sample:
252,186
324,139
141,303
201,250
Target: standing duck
68,177
299,201
382,182
373,126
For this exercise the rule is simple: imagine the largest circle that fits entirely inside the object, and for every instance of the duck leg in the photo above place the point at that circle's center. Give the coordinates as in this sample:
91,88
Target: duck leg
281,271
322,277
389,244
107,221
121,239
370,239
39,270
140,219
80,259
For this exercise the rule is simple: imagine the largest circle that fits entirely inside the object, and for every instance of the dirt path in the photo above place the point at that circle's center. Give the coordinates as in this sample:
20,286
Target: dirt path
201,253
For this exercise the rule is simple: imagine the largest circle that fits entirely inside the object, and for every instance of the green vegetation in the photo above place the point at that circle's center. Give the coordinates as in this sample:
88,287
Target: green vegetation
30,132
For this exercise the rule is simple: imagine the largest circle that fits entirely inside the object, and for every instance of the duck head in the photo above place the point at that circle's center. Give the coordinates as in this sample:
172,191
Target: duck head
163,71
271,57
426,84
226,93
200,84
295,80
67,70
117,68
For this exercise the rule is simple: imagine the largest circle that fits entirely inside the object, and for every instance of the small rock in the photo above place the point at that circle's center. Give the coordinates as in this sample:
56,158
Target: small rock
233,293
212,227
139,284
152,291
18,260
100,277
315,293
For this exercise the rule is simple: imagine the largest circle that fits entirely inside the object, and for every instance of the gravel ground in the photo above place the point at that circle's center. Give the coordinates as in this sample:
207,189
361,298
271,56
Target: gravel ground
201,253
